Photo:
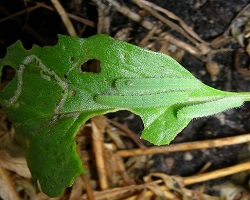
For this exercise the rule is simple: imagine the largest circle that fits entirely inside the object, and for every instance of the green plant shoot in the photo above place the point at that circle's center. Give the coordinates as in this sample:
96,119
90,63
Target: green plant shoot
51,96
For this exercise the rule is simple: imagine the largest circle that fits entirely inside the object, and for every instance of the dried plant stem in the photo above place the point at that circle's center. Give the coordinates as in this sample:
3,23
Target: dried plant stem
114,192
237,63
129,133
186,146
183,45
103,17
7,189
201,48
152,8
227,31
27,10
72,16
98,151
132,15
120,191
65,18
89,190
216,174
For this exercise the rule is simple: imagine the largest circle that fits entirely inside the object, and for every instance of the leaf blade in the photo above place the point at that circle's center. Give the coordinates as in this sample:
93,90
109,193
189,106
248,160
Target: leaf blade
50,97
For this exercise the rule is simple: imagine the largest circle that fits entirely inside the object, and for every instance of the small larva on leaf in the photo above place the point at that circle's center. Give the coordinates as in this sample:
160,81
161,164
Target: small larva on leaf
157,84
143,101
209,108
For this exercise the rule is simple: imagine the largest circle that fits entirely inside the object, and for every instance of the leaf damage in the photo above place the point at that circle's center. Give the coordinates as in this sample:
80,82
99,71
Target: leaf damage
53,93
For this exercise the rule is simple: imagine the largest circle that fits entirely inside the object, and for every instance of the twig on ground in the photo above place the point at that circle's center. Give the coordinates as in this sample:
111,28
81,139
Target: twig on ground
135,139
65,18
183,45
76,189
82,20
132,15
16,164
72,16
183,28
172,16
203,48
227,31
7,189
115,192
120,191
237,63
27,10
103,17
187,146
129,133
216,173
225,37
26,28
149,35
97,136
89,190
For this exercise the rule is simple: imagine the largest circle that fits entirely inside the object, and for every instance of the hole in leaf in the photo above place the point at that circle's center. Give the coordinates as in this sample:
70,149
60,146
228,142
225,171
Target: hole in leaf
8,73
93,66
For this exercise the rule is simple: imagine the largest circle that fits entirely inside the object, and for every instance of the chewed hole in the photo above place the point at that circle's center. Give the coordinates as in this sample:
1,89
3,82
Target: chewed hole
93,66
8,73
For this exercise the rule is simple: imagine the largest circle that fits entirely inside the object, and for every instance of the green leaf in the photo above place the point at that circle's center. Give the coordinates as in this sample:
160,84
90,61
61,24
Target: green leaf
51,96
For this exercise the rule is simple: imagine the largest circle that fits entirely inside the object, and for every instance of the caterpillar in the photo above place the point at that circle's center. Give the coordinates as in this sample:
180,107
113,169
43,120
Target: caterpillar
209,108
156,84
142,101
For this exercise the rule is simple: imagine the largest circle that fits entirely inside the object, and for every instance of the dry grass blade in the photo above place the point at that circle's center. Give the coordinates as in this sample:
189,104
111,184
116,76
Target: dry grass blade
128,132
171,183
28,187
225,37
16,164
157,191
103,17
120,192
7,189
77,189
184,29
237,63
217,173
65,18
177,183
72,16
98,149
172,16
245,8
27,10
187,146
189,195
89,190
82,20
203,49
132,15
149,35
183,45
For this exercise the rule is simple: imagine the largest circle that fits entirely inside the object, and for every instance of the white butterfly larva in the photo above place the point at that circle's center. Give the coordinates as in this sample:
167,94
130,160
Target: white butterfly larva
209,108
157,84
144,101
